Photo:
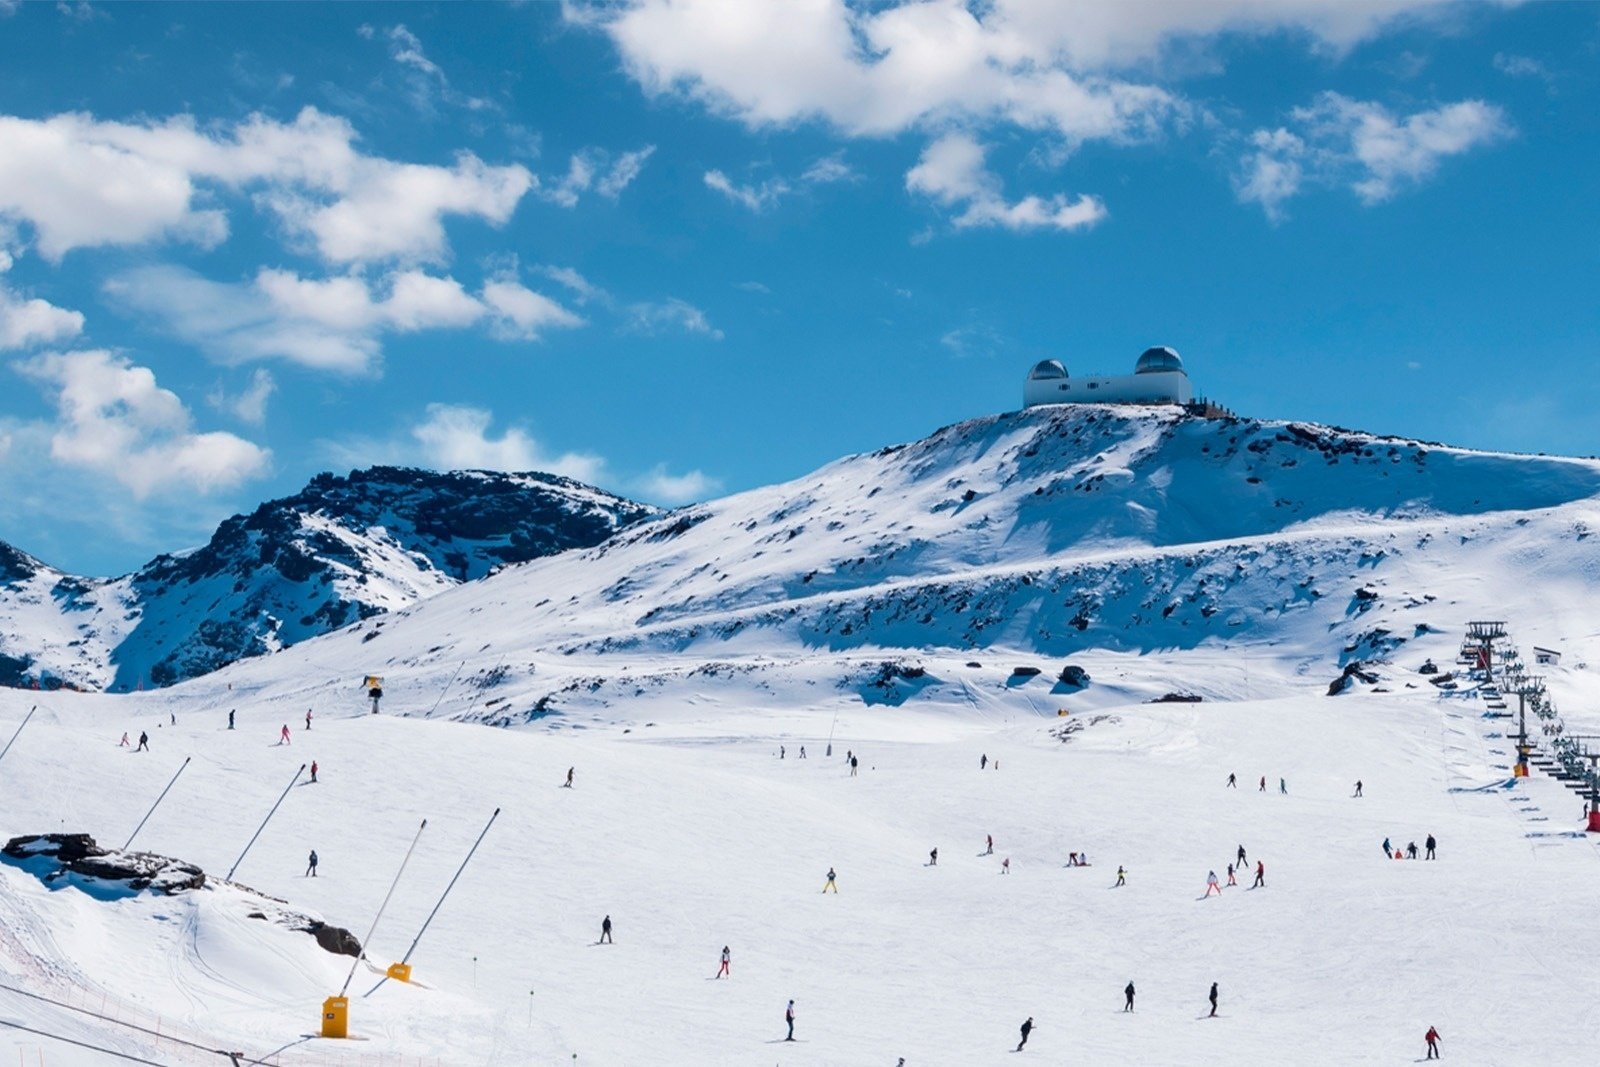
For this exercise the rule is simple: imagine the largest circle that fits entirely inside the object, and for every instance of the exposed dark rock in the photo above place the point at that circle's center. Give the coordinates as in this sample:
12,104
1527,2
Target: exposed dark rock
1351,674
1178,698
1025,672
1075,676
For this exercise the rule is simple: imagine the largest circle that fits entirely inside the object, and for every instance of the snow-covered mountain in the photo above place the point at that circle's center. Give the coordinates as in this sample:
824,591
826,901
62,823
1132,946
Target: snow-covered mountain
342,549
1043,533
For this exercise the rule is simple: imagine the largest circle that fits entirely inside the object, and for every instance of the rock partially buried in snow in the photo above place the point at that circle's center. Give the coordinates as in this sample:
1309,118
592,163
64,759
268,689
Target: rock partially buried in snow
108,873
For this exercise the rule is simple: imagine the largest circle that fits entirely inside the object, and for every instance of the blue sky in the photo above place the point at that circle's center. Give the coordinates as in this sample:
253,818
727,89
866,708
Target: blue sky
685,248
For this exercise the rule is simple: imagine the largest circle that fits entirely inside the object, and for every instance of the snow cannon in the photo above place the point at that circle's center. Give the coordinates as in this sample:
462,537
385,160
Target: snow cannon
400,972
374,685
336,1017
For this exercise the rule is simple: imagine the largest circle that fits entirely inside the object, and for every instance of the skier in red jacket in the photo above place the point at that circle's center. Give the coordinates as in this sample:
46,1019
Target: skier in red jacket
1261,875
1432,1038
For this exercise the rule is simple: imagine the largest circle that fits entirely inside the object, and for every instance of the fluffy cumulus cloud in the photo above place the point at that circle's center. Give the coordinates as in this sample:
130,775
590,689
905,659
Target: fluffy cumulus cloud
1362,145
28,321
454,437
72,181
114,420
952,173
333,323
878,69
661,487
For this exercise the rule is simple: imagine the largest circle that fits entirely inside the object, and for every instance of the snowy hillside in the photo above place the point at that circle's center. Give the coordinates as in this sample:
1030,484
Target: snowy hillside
1032,536
342,549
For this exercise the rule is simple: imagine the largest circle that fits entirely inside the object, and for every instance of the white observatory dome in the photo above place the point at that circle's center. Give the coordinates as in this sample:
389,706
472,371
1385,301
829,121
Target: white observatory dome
1046,369
1157,360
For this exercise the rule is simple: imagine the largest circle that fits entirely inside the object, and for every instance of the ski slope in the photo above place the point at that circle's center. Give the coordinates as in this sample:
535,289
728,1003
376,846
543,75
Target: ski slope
692,834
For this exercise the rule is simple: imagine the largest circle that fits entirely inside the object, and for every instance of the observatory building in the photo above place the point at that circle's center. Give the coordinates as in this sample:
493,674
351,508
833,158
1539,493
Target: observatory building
1158,378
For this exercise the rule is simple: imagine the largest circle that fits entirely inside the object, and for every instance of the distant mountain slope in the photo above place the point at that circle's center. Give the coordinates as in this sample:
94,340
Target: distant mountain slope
1050,531
342,549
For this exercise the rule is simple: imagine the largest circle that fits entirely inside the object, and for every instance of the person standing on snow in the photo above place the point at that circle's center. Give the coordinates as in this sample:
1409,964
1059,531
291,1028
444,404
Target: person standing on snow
230,717
1128,992
780,751
1388,849
1261,876
1005,865
1429,844
144,746
829,884
1027,1028
1358,787
983,762
568,783
788,1017
1411,850
989,844
1263,787
1122,876
605,932
1230,875
311,868
933,858
802,752
1432,1038
722,972
1242,861
854,763
1283,787
308,718
1213,1014
1211,884
313,771
1233,783
283,735
124,743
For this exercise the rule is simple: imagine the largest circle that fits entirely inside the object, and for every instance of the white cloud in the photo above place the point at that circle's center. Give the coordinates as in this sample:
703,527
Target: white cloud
251,404
755,197
454,437
407,51
583,289
1272,172
521,312
753,287
79,182
952,172
880,69
653,317
659,487
623,171
566,189
29,321
327,323
426,80
1520,66
1364,145
829,169
113,419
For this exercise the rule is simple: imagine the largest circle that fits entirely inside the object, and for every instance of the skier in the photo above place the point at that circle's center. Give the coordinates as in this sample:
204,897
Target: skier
933,858
1283,787
983,762
124,743
230,717
1005,865
311,869
802,752
313,770
1213,1014
1358,787
722,972
605,932
1432,1038
854,764
1211,884
1263,786
1072,859
1230,875
308,718
1261,876
829,884
788,1017
1128,992
1122,876
568,783
1027,1028
1083,859
1233,782
144,746
1430,844
989,844
780,751
1388,849
174,717
1411,851
283,735
1242,861
997,763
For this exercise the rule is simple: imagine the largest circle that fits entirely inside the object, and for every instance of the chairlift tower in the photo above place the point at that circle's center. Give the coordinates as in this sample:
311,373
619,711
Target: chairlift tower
1525,686
1482,635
